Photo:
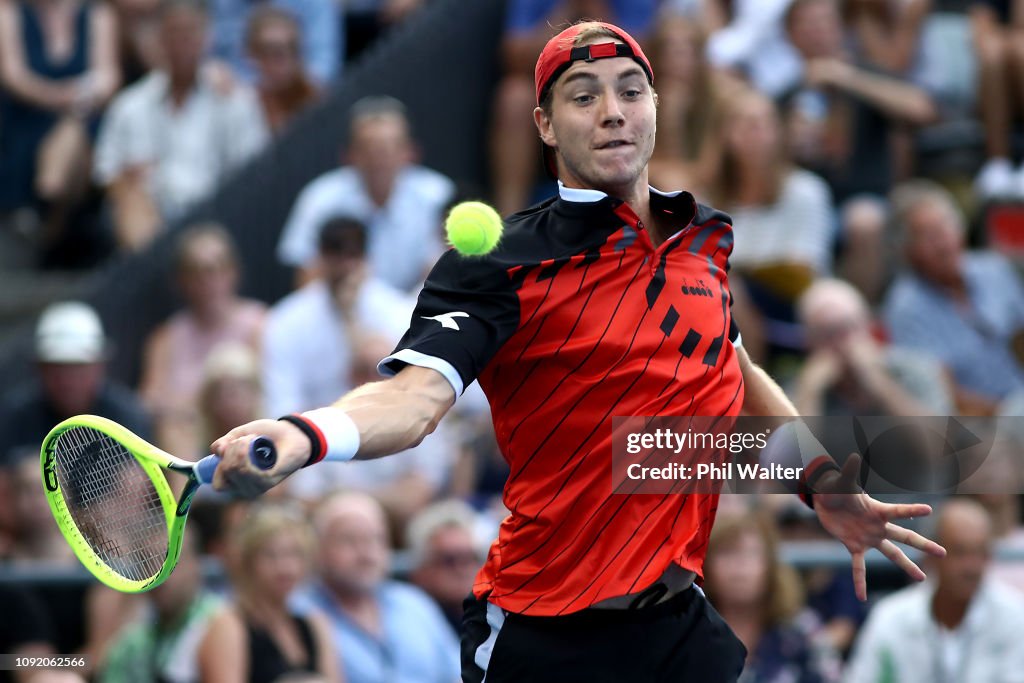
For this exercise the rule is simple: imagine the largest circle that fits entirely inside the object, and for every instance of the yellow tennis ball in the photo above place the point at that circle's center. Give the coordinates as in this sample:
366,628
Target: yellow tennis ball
473,228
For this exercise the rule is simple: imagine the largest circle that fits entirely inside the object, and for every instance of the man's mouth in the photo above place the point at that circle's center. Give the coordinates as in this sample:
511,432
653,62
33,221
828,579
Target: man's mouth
613,144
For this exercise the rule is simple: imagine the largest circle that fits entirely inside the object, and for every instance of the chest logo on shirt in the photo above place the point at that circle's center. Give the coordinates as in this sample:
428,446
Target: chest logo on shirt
447,320
700,290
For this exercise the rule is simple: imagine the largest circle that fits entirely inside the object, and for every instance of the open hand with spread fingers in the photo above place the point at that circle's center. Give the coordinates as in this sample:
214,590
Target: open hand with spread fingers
860,522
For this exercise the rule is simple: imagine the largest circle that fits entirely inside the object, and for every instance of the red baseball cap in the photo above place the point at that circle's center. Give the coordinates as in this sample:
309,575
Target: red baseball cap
559,54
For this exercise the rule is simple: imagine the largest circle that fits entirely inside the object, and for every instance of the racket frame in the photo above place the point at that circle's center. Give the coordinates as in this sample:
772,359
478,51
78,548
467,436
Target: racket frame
153,462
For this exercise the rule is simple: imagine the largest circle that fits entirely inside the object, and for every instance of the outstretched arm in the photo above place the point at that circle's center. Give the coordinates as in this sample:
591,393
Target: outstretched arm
390,416
853,517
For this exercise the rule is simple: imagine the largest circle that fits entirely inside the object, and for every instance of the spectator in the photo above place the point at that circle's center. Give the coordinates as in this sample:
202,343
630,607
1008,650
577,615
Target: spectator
839,120
383,629
760,598
841,113
964,308
997,28
71,353
171,138
164,646
273,41
57,71
360,319
689,106
259,638
782,216
207,270
444,555
513,149
399,201
317,22
849,372
961,626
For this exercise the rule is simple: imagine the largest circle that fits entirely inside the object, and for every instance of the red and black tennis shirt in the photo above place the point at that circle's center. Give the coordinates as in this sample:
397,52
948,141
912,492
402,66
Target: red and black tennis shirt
574,319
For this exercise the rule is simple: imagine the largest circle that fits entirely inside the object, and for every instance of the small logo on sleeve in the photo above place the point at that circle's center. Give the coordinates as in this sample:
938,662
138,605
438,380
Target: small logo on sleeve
447,320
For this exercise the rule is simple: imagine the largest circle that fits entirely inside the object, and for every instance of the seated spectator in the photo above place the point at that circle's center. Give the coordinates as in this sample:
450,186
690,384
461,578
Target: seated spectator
207,271
273,41
529,24
959,626
782,219
258,638
399,202
317,22
689,107
964,308
360,318
760,598
849,372
444,555
70,379
170,139
57,70
28,632
839,121
996,28
164,645
383,630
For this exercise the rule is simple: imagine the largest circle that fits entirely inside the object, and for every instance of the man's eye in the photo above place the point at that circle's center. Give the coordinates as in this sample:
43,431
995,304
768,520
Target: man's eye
632,93
582,99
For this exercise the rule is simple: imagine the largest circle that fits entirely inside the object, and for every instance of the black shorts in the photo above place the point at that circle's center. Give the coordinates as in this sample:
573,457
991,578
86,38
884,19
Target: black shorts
680,640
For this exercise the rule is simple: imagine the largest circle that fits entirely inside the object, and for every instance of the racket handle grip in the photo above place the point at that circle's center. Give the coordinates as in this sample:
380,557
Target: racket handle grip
262,454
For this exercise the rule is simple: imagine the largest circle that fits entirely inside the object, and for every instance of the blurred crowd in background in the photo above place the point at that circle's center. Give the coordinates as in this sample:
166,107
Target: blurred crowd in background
874,178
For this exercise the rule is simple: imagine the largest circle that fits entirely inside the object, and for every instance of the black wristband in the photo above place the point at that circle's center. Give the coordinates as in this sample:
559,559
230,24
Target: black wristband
317,443
818,468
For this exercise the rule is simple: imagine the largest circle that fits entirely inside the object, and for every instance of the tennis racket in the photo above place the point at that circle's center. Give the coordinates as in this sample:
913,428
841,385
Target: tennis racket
109,492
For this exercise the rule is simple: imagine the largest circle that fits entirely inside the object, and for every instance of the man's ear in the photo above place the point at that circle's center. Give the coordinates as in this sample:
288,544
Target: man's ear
544,128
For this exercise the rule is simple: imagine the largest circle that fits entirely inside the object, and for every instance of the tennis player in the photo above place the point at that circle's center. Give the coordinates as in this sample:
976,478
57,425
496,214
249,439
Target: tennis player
583,313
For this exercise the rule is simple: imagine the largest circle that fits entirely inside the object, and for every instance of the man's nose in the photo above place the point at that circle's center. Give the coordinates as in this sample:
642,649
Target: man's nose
611,111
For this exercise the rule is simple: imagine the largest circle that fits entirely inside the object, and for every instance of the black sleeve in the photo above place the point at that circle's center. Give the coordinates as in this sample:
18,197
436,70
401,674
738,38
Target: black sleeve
467,309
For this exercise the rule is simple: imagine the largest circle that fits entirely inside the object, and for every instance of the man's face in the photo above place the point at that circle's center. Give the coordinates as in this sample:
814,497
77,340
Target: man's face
183,39
381,147
449,566
71,388
816,30
935,241
354,553
208,274
967,537
602,124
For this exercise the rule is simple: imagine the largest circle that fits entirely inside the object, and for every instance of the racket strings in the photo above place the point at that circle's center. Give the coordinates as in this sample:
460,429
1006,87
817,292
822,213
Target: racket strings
113,502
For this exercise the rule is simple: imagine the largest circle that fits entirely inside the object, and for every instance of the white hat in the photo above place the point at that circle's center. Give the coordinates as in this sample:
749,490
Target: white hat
70,332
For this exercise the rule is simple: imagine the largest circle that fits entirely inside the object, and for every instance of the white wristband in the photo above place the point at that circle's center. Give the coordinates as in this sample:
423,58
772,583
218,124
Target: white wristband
340,432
